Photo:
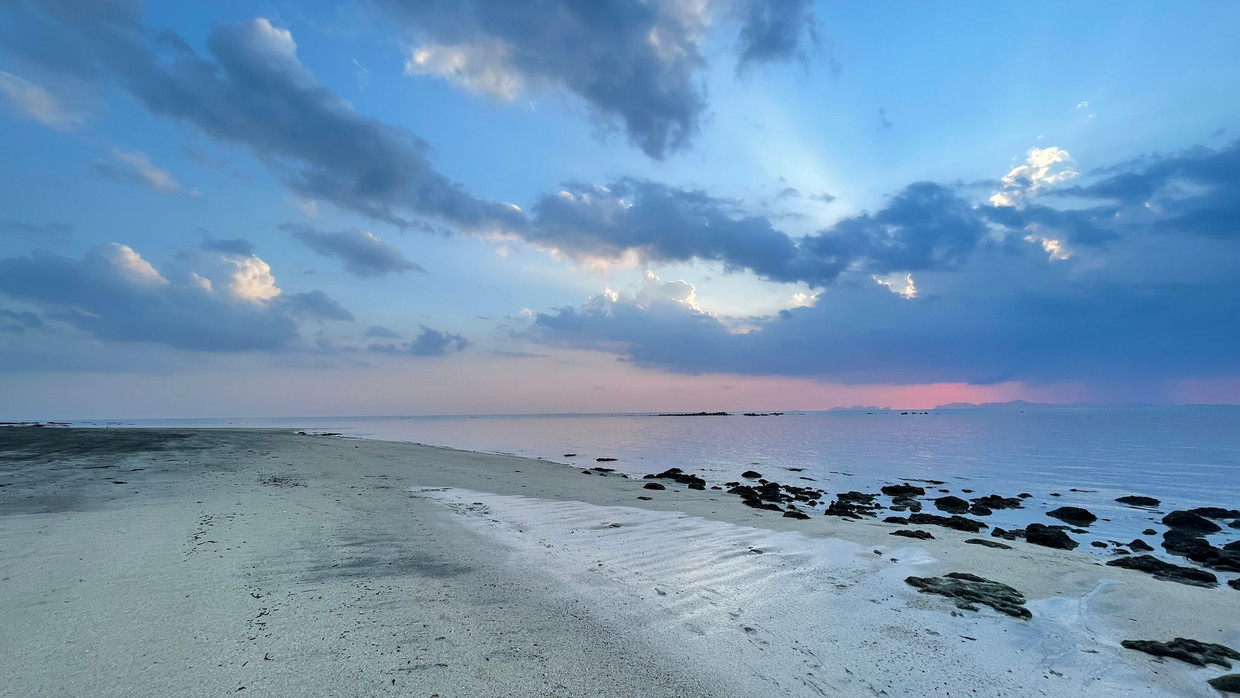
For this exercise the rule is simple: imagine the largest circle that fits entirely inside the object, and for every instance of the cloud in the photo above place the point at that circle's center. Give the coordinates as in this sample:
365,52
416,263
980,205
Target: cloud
14,321
255,92
47,233
380,332
636,64
363,253
824,197
230,304
428,342
1043,167
1103,290
30,101
774,30
136,166
237,246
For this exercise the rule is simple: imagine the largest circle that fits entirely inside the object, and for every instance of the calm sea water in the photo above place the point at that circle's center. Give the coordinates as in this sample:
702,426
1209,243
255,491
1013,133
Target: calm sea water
1185,456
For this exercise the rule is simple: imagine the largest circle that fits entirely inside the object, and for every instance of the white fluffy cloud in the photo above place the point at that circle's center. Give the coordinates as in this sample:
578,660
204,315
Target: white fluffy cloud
1043,167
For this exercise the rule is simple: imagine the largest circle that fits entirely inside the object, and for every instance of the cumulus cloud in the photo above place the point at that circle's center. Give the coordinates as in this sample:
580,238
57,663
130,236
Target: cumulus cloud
136,166
254,92
428,342
28,100
1043,167
634,63
114,293
986,305
361,251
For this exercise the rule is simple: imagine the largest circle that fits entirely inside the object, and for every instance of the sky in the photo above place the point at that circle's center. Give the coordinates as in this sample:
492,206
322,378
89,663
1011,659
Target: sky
388,207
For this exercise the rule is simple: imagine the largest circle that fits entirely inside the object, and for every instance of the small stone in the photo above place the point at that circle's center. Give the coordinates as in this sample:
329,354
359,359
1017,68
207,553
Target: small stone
644,497
751,474
653,486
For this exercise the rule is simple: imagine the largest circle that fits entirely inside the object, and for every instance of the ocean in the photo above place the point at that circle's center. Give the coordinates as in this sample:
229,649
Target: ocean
1088,456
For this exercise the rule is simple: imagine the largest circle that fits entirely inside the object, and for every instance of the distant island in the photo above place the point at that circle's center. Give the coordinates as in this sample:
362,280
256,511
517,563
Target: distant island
695,414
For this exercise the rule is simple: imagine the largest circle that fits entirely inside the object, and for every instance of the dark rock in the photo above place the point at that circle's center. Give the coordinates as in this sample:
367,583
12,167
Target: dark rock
954,521
751,474
1149,532
1189,521
759,504
1215,512
586,472
1191,651
907,533
1056,494
967,491
1233,546
896,520
994,501
1097,544
1073,515
653,486
1166,571
980,510
693,481
793,514
1228,683
848,510
604,460
1138,544
988,543
1024,495
1234,524
905,490
952,505
644,498
968,589
1136,500
855,497
1234,584
1184,543
1040,534
570,455
905,503
1008,535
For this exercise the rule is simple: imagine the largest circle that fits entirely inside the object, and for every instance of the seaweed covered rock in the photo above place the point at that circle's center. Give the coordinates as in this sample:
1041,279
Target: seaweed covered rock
1188,521
994,501
954,521
1136,500
952,505
1050,537
1075,516
908,533
1191,651
1166,570
1228,683
969,589
904,490
988,543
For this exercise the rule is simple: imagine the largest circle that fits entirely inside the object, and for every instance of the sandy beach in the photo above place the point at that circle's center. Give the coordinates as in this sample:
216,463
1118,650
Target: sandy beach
223,562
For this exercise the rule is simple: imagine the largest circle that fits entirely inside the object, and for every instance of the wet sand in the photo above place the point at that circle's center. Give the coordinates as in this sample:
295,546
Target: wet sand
183,562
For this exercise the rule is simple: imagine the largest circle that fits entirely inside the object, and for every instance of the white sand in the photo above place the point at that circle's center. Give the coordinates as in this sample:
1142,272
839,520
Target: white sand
375,568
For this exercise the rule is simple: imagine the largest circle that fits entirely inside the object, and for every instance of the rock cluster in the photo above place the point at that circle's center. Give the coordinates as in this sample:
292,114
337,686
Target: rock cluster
969,589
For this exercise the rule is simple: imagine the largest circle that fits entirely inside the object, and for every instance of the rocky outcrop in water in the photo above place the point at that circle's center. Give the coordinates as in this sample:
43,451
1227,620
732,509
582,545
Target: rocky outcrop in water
994,501
1075,516
1188,521
1198,549
1140,545
954,521
969,589
1166,570
952,505
1049,536
1215,512
1136,500
904,490
1192,651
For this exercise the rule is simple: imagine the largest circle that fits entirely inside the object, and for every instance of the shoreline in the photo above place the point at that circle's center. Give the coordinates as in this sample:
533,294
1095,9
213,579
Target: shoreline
150,585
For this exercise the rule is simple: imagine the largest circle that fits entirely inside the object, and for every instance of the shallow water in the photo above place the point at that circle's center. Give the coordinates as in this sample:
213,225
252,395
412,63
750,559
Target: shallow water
1185,456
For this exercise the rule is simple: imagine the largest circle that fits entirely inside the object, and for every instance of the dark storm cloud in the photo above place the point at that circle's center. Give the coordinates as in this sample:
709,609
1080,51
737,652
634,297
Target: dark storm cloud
633,62
113,294
362,253
428,342
256,93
